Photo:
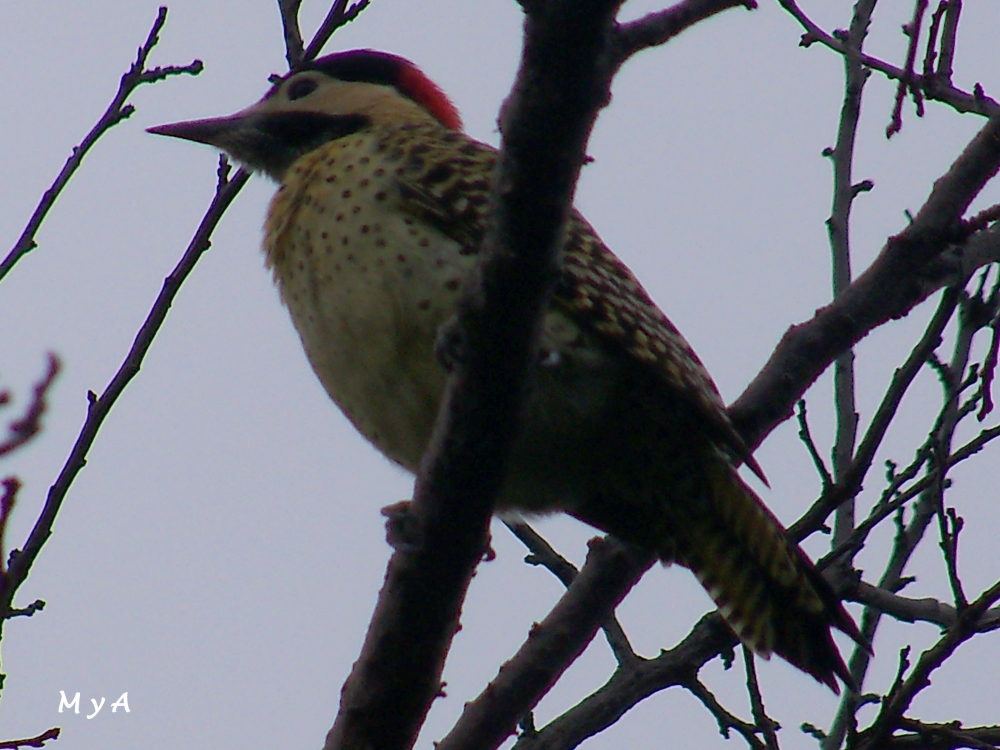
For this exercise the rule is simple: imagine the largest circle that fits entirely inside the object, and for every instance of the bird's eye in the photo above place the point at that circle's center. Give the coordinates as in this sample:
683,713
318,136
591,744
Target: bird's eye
300,88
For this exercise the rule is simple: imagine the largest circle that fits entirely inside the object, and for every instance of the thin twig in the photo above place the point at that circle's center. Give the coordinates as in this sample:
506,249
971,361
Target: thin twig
948,736
893,498
542,553
912,31
805,435
917,610
930,55
949,527
661,26
910,535
39,741
903,377
294,46
725,719
675,667
21,430
989,366
902,694
948,36
11,486
116,112
339,15
839,230
99,408
551,646
935,87
766,724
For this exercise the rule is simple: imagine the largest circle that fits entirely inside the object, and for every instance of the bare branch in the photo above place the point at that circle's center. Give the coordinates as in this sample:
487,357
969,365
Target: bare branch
22,560
36,606
21,430
609,573
11,486
39,741
838,228
725,719
929,505
975,445
767,725
806,437
563,81
918,610
949,526
850,483
543,554
902,276
114,114
930,55
339,15
676,667
660,27
892,498
948,36
948,736
912,31
294,46
933,87
899,699
989,367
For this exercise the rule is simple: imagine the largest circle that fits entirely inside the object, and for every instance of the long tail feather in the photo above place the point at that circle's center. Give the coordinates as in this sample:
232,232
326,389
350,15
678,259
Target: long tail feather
764,585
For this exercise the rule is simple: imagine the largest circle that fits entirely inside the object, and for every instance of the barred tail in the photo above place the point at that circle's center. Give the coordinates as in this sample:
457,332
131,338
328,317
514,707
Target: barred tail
764,585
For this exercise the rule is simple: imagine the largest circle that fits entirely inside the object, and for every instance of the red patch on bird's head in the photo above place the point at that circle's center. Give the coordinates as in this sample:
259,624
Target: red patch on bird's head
373,66
421,89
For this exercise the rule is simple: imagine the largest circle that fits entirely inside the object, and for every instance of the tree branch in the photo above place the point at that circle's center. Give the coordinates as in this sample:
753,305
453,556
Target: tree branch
116,112
898,701
839,230
628,686
294,46
912,32
950,736
563,81
543,554
903,275
339,15
933,87
917,610
851,479
39,741
552,645
661,26
725,719
767,725
21,430
99,408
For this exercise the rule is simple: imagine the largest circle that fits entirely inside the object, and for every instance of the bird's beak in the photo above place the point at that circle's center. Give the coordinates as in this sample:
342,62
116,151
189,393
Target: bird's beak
214,131
243,136
265,140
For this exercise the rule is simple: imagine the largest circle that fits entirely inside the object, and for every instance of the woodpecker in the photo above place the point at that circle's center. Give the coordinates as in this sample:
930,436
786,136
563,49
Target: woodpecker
375,228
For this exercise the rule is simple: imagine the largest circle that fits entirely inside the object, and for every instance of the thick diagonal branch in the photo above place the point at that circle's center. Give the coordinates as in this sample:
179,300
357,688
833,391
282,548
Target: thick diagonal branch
563,82
912,266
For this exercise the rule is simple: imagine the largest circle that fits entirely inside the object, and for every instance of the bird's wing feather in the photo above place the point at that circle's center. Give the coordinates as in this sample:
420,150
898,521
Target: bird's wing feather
451,190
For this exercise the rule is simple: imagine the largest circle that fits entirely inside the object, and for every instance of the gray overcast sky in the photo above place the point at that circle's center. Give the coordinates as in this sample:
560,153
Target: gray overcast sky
219,556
